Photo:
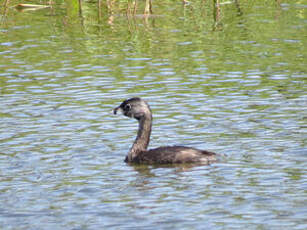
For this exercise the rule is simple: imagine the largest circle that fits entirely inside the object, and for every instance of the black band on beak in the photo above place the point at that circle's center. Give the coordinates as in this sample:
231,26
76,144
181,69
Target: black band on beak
115,110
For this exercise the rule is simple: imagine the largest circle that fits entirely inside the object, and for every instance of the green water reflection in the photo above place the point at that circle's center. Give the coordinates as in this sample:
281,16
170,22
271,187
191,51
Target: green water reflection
265,36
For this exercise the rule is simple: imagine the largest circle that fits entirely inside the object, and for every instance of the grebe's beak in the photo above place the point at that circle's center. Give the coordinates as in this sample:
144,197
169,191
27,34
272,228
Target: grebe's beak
117,109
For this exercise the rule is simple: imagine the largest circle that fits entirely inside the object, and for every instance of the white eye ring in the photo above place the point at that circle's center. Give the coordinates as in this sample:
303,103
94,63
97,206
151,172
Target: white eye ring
127,107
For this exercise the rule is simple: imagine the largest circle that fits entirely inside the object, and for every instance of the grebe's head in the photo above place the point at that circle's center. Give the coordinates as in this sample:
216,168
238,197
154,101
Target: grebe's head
134,107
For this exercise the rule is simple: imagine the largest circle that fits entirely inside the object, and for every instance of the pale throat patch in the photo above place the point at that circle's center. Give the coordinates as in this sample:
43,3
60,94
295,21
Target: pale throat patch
120,110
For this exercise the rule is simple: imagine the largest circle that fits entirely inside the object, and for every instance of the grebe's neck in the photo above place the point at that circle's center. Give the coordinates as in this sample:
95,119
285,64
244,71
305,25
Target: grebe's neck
142,140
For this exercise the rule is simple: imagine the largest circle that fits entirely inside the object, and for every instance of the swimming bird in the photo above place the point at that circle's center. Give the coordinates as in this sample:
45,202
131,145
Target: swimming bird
139,109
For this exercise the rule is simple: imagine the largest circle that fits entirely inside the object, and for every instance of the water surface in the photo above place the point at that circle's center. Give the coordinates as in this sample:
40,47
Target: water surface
230,79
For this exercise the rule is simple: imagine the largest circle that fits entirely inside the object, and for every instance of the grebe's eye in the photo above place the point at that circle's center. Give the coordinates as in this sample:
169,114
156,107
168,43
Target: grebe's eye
127,107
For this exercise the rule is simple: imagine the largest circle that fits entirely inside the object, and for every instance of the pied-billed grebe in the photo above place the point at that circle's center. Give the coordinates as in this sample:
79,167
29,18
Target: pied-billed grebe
140,110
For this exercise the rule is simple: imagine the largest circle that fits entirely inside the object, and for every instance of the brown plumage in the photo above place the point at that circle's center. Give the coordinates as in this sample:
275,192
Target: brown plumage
140,110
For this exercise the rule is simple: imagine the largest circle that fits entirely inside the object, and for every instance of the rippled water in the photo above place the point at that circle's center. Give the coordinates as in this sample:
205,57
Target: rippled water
236,86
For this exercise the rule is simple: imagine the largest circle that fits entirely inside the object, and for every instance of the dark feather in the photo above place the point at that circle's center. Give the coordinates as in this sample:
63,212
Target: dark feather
174,155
